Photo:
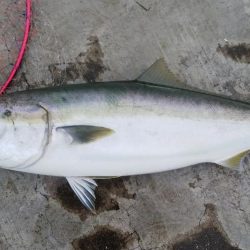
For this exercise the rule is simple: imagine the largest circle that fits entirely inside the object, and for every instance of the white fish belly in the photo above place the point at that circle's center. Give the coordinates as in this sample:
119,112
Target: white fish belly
143,145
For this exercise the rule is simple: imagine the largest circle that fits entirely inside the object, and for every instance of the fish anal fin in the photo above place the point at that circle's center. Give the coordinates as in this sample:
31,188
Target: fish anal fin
84,133
84,189
235,162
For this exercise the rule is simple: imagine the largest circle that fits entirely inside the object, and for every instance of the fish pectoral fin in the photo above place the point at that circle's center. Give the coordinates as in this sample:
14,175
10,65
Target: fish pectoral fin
235,162
84,189
84,133
160,74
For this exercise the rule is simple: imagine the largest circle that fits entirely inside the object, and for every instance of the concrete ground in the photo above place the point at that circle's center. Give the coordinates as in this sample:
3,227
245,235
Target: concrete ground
206,44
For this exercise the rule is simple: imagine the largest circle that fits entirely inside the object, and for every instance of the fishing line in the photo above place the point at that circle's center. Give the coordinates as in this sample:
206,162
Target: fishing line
15,21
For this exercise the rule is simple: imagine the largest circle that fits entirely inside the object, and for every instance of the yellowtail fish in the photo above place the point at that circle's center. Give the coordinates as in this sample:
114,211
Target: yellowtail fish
107,129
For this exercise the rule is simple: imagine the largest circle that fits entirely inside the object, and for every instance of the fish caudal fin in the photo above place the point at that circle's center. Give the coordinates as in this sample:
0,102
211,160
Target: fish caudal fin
236,161
84,188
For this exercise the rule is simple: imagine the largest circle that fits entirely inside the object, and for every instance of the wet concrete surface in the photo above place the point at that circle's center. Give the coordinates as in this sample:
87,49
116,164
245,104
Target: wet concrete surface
206,44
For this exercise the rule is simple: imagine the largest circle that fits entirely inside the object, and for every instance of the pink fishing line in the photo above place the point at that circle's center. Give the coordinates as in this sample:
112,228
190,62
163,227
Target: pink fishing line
23,47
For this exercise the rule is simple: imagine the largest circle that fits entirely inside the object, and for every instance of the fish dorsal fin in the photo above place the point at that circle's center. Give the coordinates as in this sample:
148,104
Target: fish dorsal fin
84,188
235,162
84,133
160,74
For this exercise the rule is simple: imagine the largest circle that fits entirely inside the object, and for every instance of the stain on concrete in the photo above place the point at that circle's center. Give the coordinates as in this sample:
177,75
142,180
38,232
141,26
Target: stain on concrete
19,83
210,210
108,191
68,199
59,190
209,238
58,73
88,66
195,182
208,235
11,186
192,184
239,52
104,238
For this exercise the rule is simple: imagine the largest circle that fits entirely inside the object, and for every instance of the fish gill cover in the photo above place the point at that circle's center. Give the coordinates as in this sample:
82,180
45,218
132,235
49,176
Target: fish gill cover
14,30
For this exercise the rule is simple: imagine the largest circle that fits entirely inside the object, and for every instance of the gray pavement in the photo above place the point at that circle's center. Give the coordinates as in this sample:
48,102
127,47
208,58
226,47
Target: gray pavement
205,43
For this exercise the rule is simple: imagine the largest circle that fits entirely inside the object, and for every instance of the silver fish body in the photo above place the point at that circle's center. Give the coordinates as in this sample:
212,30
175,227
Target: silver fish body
154,129
117,129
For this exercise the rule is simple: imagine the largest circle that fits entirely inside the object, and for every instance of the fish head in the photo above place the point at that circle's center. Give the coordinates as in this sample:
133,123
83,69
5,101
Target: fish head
23,137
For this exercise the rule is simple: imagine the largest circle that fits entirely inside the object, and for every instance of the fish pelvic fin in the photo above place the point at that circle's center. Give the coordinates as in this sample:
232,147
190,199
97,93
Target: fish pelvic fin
84,133
84,188
236,161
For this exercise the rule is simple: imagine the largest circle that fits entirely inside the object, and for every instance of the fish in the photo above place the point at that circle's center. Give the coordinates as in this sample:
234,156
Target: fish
108,129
